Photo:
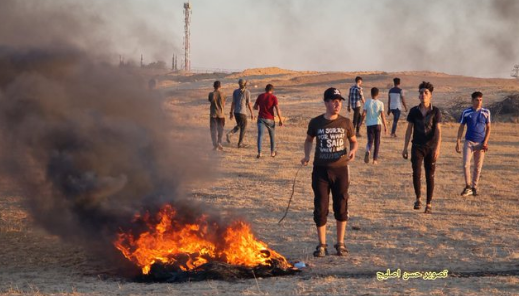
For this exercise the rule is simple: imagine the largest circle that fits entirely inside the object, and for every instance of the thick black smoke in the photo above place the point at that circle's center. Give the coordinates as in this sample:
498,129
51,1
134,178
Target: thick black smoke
85,142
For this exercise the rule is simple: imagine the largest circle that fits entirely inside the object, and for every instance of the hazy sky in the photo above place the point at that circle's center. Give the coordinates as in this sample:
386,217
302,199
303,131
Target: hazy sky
469,37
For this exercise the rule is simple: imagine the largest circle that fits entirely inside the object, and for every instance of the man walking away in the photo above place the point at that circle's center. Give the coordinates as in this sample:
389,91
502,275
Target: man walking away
424,123
477,120
266,103
217,118
240,101
355,101
395,102
375,118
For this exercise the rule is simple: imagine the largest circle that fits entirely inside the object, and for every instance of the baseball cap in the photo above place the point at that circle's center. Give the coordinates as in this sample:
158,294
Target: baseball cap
332,93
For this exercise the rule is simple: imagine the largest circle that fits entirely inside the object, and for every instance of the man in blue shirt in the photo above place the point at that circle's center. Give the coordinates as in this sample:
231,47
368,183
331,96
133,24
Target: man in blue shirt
477,120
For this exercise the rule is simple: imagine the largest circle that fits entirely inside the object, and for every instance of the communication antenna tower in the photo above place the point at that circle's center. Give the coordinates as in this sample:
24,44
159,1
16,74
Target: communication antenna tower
187,49
515,72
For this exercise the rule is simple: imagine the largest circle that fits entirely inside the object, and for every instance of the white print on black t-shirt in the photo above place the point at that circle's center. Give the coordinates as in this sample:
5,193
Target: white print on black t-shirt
331,142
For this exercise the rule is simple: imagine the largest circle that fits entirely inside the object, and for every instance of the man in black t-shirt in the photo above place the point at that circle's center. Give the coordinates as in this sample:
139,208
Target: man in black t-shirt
330,171
424,122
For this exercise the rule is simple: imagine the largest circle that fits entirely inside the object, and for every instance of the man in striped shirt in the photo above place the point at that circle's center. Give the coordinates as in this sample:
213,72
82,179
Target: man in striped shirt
477,120
355,101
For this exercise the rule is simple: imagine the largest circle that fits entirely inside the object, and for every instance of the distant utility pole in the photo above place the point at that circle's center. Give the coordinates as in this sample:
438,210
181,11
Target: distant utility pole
187,49
515,72
142,60
174,62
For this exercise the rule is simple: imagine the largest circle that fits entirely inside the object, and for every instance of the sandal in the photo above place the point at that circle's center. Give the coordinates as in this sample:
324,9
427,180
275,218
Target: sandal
341,249
321,250
273,154
428,209
417,205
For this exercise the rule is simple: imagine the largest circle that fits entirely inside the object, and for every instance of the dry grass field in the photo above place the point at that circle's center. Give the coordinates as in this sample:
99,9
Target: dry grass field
474,238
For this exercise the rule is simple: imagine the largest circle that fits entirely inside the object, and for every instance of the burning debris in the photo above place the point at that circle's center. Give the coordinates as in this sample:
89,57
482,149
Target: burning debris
168,249
88,145
216,271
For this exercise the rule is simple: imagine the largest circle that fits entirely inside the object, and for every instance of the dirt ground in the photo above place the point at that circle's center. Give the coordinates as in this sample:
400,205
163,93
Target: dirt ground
474,238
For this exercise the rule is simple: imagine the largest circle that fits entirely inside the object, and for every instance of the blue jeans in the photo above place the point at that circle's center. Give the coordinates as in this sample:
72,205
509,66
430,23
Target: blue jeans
270,124
396,116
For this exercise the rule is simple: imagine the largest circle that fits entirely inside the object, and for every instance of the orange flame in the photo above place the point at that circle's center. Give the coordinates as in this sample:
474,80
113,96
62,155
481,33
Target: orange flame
190,245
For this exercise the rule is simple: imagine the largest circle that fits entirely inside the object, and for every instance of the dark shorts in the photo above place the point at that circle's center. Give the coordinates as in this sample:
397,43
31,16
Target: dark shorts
324,181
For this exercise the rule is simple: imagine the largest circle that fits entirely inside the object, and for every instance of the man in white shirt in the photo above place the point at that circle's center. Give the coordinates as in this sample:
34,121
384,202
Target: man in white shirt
395,102
375,118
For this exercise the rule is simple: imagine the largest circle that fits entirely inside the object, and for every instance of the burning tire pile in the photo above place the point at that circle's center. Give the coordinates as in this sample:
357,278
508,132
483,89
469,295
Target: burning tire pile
168,248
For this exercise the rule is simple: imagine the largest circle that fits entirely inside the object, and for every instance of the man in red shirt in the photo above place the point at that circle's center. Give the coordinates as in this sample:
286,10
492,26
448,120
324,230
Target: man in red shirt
266,103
